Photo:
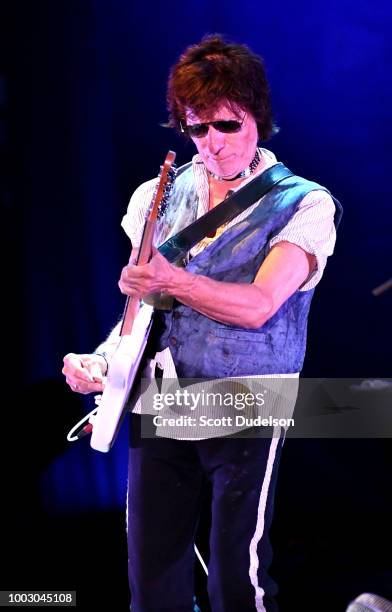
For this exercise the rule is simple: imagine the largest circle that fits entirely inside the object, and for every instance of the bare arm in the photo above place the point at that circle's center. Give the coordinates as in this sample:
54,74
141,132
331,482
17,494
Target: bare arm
283,271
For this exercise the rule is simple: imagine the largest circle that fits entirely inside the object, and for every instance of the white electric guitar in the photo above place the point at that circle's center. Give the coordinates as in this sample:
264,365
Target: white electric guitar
135,329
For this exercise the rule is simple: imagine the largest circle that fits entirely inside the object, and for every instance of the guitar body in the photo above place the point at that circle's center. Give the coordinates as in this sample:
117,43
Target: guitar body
123,369
135,329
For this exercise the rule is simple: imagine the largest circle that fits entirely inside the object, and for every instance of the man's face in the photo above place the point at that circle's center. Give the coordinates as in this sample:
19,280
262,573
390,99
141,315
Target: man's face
226,154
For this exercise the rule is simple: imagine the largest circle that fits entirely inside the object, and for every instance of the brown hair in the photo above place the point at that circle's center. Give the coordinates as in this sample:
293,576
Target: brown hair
213,72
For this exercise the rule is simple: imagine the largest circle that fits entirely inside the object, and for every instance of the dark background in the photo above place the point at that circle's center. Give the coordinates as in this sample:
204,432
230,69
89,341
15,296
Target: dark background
82,94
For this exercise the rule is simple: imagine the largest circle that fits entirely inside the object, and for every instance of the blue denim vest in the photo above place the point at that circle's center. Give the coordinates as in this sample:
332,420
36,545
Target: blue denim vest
204,348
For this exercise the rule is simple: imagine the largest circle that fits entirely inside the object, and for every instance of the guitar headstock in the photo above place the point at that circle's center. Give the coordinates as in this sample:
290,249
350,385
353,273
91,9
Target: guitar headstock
162,191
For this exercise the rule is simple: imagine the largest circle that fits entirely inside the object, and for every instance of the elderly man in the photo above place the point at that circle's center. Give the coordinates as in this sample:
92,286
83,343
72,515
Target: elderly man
240,308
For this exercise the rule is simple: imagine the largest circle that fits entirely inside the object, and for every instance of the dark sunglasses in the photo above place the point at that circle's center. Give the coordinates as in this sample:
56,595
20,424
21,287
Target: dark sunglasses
198,130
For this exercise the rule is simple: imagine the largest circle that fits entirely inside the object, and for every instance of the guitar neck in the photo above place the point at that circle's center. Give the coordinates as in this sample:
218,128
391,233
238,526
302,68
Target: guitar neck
132,304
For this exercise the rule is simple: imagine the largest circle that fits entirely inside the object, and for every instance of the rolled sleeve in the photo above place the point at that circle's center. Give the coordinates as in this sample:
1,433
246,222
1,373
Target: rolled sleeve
312,228
133,220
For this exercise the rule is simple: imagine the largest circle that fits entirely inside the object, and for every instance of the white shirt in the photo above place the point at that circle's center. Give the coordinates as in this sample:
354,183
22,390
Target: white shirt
311,228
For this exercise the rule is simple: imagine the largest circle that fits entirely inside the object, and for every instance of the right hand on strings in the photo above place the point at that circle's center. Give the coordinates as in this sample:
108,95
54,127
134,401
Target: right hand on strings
85,373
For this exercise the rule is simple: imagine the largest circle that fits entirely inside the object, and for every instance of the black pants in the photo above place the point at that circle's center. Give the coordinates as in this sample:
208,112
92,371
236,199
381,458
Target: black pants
164,496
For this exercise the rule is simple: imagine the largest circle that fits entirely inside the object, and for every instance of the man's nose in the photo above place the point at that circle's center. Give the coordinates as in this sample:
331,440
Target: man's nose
215,140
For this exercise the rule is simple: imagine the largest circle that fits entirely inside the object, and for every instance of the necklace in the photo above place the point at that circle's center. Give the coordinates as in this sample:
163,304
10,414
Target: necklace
244,173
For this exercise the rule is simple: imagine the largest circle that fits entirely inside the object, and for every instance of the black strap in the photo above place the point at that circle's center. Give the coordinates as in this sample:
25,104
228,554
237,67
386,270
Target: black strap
179,244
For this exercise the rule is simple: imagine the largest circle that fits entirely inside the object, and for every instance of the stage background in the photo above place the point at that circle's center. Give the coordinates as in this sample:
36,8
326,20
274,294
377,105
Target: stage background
82,96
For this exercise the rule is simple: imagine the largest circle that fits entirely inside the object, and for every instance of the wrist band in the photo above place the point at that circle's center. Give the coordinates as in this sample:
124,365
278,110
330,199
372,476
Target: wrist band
105,358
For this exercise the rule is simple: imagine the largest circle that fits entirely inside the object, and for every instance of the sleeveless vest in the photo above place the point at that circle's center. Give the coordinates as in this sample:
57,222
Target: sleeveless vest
204,348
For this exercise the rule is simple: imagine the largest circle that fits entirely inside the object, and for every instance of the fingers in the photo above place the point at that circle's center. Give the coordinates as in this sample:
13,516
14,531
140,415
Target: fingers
136,281
139,281
127,286
83,386
83,373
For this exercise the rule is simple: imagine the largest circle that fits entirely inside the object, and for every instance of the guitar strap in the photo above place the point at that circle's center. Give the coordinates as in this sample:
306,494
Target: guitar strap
178,245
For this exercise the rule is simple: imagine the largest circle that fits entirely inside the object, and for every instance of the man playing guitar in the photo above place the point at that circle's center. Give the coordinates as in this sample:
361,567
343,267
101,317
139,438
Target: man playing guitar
239,309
